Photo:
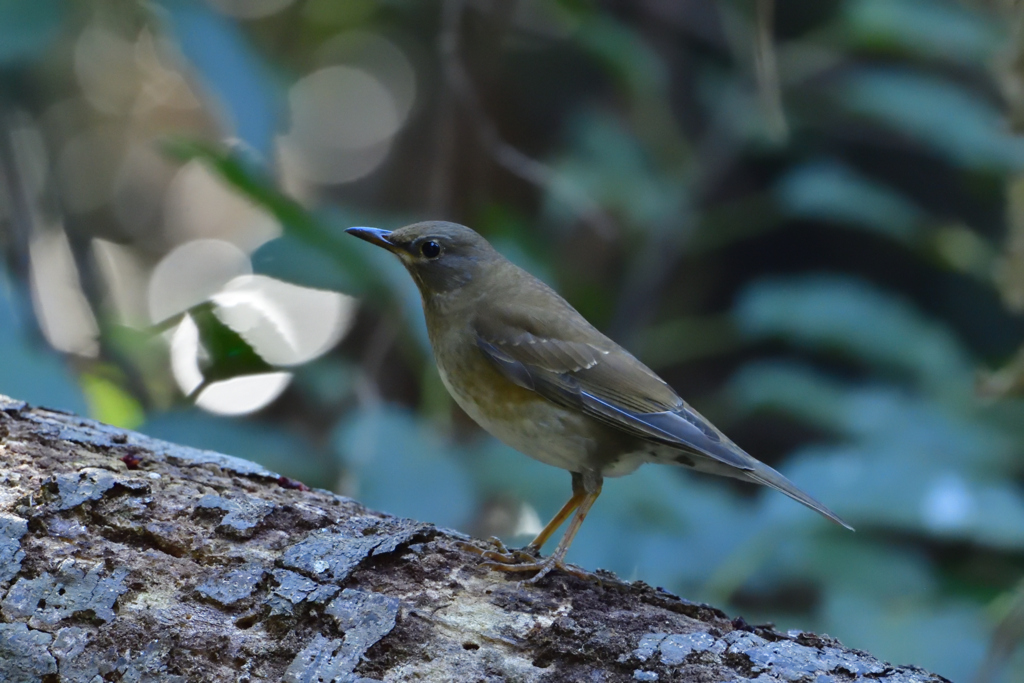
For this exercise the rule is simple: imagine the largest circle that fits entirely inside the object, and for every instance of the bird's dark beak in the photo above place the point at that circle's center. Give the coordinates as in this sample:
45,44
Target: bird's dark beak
373,236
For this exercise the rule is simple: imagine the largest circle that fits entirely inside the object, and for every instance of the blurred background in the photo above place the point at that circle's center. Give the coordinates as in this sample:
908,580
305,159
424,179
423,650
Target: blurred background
808,216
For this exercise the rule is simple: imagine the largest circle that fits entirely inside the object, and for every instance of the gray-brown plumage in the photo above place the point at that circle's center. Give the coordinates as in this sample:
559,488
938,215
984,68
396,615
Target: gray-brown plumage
529,369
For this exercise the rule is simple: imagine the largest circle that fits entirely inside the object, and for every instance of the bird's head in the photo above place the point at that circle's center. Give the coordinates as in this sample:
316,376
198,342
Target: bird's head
440,256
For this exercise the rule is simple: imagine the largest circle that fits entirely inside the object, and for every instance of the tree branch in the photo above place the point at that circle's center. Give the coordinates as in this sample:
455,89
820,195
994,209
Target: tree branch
127,558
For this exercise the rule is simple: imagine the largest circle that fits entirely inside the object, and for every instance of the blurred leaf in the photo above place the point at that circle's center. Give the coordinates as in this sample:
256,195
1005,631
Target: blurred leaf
851,561
27,28
630,59
735,107
252,182
1007,637
910,425
963,249
1010,271
624,53
880,486
111,404
225,354
852,318
146,354
1006,381
221,54
285,324
293,260
946,633
794,390
949,119
937,29
402,466
604,159
831,191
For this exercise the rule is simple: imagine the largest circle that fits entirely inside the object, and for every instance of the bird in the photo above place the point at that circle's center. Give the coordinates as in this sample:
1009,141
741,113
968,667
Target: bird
533,372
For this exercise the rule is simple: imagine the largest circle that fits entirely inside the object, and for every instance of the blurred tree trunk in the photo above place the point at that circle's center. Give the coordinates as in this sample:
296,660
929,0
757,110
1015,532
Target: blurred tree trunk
126,558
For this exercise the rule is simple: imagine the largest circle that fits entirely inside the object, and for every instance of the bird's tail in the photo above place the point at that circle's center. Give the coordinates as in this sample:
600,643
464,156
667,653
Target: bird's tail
762,474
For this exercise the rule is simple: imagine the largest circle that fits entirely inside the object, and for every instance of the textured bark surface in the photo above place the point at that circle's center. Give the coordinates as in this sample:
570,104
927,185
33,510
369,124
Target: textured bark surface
123,558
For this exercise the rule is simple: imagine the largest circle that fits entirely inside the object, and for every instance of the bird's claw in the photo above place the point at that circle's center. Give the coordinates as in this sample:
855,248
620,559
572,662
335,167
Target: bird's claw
513,558
542,567
525,559
503,555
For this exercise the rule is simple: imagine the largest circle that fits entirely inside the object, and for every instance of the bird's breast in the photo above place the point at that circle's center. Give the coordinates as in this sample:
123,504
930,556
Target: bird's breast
519,417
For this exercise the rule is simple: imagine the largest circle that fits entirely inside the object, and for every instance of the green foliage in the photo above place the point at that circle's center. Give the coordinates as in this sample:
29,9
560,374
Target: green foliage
859,322
110,403
225,354
608,161
934,30
834,193
946,119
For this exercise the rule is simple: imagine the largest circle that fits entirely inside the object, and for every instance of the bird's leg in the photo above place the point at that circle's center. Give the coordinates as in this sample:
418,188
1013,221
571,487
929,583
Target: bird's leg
591,489
578,494
529,554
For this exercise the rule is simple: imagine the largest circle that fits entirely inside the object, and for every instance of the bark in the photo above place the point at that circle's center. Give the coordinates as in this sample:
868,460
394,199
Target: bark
124,558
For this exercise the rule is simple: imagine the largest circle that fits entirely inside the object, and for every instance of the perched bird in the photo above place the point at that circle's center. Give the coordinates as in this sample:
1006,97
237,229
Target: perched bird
529,369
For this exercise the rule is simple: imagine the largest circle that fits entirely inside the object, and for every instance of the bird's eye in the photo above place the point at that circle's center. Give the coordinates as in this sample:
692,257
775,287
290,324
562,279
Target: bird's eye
430,249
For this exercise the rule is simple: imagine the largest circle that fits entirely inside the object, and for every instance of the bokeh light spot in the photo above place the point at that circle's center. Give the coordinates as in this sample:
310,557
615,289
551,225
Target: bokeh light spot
105,69
343,120
193,273
947,505
284,323
376,55
125,278
200,205
242,395
341,106
64,314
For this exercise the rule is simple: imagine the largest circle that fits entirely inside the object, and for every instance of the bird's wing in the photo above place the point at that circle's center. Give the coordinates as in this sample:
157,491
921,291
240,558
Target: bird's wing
567,361
580,368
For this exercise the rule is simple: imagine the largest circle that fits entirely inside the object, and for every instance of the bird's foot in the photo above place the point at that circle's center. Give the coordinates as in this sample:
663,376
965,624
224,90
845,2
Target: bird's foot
542,567
504,555
526,559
